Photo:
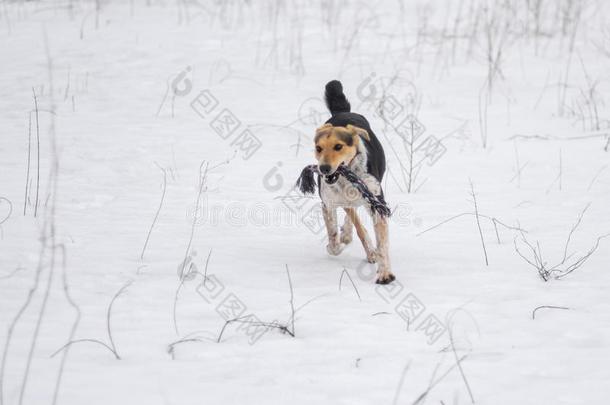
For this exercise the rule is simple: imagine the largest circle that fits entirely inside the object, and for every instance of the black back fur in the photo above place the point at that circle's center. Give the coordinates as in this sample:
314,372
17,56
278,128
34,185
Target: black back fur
341,116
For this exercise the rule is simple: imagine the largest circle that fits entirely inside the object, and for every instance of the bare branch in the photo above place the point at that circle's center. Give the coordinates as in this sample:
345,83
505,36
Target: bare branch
598,172
99,342
565,250
109,312
563,268
345,272
423,395
476,211
453,349
401,382
545,306
37,153
75,324
241,319
112,346
291,300
514,228
157,213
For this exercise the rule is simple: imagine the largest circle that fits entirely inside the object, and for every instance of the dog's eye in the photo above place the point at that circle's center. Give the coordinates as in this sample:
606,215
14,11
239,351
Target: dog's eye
338,146
318,149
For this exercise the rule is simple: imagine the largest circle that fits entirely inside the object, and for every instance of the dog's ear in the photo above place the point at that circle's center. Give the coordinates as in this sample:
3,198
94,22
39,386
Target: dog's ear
323,130
359,131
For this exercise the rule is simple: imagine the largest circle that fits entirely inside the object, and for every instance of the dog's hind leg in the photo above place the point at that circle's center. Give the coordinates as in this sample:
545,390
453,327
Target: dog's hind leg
347,230
363,235
384,273
334,247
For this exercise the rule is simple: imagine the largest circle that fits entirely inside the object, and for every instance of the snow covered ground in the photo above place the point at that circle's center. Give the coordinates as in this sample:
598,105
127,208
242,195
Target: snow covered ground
119,182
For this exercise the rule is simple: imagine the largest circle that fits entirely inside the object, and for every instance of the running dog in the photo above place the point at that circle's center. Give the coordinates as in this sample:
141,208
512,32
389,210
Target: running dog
347,139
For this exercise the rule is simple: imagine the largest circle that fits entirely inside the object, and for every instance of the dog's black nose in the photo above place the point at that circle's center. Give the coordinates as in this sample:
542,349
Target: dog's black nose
325,169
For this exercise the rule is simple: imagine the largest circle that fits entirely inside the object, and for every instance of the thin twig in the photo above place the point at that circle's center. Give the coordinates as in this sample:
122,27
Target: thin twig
27,175
561,269
157,213
455,355
514,228
116,356
309,301
12,273
183,275
401,382
350,279
205,271
538,265
476,211
73,304
565,250
10,210
183,278
438,380
597,175
222,331
291,299
546,306
38,153
109,313
16,319
493,220
202,180
48,233
518,174
274,324
560,169
171,346
40,317
167,88
112,346
580,261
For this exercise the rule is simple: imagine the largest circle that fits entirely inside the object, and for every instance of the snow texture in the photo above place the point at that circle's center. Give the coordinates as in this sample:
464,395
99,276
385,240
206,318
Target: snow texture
149,152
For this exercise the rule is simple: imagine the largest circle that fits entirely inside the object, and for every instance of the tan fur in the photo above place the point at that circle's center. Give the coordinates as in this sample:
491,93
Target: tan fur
363,235
334,247
384,275
359,131
328,137
347,231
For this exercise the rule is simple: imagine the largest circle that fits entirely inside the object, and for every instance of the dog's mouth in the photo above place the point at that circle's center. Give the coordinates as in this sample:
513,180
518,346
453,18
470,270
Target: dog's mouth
332,178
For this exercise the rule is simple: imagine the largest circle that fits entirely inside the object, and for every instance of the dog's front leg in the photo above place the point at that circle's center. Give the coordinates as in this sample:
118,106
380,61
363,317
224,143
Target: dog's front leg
369,249
384,273
347,231
334,246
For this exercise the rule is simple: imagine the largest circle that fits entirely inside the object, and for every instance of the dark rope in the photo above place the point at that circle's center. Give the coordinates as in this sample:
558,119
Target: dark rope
306,181
307,184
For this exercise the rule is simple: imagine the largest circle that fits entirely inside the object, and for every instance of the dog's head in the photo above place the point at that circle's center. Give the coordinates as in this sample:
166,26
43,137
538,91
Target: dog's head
336,146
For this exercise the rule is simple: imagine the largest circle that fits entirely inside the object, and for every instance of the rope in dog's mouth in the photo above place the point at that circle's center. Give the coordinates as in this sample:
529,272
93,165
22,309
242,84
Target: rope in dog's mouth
307,184
332,178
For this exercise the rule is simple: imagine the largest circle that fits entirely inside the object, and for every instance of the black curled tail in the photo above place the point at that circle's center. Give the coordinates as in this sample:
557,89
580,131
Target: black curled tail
335,99
306,181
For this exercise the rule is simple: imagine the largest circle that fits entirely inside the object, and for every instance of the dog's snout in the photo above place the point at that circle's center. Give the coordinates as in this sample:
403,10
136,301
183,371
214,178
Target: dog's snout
325,169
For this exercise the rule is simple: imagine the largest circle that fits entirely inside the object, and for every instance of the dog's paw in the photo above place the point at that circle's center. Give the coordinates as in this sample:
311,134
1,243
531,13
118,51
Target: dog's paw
371,256
346,238
385,277
335,250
